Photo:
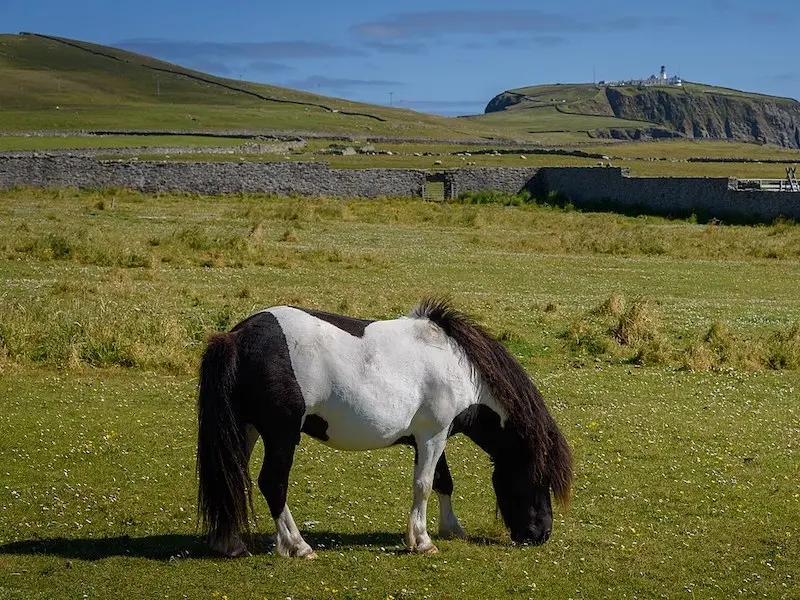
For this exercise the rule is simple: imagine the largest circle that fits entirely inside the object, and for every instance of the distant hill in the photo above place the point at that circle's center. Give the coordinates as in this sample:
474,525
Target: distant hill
691,110
57,84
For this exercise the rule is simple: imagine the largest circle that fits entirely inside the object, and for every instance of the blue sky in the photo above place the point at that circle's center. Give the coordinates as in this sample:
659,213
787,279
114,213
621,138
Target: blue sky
445,56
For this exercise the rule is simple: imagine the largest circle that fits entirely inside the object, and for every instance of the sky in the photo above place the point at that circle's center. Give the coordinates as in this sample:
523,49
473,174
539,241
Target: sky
446,57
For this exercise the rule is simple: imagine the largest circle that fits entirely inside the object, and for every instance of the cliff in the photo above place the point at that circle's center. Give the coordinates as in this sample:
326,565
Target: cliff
693,111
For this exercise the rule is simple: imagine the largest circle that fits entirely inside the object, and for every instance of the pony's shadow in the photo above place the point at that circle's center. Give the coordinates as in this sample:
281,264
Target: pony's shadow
177,547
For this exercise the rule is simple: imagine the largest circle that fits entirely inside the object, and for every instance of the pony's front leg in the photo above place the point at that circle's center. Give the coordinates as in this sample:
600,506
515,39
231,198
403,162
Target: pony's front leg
273,481
449,527
428,453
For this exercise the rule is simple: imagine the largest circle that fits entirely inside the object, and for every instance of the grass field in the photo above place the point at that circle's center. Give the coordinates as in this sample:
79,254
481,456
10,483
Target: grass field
668,351
644,159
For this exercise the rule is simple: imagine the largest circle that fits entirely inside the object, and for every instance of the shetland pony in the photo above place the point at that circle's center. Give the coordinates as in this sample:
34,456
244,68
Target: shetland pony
357,385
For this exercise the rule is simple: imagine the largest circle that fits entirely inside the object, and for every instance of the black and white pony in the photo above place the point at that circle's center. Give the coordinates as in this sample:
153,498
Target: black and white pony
359,385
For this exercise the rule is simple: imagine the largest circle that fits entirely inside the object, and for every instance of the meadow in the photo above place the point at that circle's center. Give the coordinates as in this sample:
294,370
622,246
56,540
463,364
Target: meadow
672,158
668,352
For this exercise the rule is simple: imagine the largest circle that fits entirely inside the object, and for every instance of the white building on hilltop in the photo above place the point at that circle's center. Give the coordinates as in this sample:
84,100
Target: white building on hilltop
660,79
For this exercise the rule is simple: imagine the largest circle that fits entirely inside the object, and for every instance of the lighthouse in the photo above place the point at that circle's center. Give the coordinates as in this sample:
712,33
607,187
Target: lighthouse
663,74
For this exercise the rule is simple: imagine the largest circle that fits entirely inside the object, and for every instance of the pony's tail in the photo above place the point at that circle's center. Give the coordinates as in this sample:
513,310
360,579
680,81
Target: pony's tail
225,491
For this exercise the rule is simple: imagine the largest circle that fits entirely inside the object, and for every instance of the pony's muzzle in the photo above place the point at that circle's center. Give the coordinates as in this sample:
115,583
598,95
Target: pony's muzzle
533,536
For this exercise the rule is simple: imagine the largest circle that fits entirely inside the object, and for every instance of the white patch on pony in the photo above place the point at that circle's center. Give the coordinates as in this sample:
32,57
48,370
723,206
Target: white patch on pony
403,377
288,540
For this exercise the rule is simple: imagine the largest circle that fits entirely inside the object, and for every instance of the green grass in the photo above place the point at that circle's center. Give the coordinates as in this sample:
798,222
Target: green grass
546,119
684,149
646,159
686,471
559,92
28,142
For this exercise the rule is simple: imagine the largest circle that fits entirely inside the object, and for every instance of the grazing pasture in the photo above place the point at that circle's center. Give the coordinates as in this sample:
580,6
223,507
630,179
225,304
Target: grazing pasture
668,353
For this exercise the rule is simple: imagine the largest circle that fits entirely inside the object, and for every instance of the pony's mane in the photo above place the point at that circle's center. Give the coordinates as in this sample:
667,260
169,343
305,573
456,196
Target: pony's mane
512,388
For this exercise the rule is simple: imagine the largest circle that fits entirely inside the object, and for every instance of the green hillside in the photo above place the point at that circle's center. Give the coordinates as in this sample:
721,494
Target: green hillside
57,84
51,84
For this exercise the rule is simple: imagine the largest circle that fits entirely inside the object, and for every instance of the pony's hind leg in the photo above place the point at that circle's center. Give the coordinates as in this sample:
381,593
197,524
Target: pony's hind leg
273,481
428,453
449,527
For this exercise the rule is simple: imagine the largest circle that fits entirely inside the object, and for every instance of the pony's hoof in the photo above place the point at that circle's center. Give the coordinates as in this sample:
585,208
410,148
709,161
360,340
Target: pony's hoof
427,549
304,551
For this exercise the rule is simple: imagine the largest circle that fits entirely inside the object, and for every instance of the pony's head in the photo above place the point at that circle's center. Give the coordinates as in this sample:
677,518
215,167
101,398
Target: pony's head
524,505
523,489
530,455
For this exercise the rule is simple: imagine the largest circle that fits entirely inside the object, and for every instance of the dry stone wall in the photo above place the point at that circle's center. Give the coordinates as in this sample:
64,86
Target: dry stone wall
592,187
509,180
589,187
208,177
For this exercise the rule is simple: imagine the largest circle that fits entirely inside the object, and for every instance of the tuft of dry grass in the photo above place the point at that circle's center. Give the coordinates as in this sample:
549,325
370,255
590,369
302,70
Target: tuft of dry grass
783,348
618,329
634,332
638,324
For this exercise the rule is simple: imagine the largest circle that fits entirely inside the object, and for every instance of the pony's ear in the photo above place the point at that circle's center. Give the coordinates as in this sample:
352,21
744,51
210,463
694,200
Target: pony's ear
560,468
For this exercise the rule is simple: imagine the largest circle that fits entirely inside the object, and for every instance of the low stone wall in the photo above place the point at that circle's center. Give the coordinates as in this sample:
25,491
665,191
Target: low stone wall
508,180
586,187
592,187
208,177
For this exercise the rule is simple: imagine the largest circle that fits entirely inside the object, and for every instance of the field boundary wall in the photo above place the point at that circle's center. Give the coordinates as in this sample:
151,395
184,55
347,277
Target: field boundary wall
308,178
585,187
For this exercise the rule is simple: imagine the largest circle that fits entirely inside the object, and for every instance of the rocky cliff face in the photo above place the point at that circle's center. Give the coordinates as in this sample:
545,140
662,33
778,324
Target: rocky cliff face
667,112
714,116
503,101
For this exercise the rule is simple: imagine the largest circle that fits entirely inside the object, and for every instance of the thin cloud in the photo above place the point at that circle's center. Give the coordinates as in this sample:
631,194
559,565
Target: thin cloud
790,77
188,50
770,18
265,66
539,41
489,22
631,23
397,48
339,83
410,25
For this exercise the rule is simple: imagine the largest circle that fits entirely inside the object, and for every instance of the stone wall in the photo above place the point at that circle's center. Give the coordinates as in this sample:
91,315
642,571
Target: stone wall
593,187
586,187
208,177
510,180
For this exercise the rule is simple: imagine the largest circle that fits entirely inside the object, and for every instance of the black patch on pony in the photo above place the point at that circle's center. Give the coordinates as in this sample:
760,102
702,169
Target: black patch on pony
242,374
316,427
351,325
528,417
